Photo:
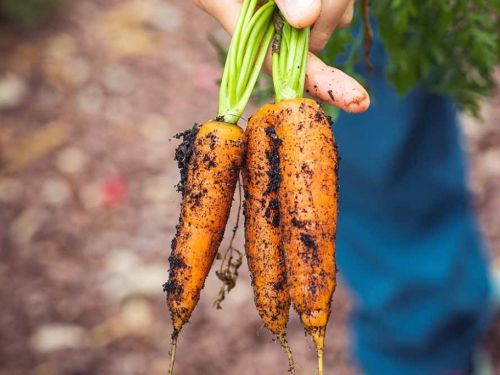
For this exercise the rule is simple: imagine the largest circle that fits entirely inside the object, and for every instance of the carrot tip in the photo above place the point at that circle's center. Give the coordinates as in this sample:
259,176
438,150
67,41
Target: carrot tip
288,351
172,354
320,361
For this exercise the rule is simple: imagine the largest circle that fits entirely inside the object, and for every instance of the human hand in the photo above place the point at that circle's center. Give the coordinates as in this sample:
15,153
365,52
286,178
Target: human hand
324,83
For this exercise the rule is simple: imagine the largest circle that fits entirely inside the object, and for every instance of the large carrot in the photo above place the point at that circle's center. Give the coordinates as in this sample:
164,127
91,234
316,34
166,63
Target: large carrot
263,244
308,199
308,192
210,159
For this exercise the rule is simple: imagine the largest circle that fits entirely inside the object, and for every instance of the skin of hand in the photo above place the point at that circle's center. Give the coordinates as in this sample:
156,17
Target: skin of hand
324,83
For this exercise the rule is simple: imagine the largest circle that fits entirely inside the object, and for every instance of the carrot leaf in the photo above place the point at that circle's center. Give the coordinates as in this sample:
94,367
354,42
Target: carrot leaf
290,48
247,51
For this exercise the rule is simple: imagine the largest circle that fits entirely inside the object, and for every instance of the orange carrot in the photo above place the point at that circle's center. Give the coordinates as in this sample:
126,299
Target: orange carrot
308,192
308,196
210,165
263,245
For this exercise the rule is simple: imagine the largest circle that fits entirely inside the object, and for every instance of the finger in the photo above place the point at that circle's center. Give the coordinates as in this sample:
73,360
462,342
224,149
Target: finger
347,16
330,85
300,13
226,12
333,86
331,13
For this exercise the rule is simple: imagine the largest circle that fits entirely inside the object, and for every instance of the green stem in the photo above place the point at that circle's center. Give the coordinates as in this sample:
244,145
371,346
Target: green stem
292,53
246,65
276,74
257,33
223,92
285,38
289,63
258,17
248,16
235,113
250,42
303,62
244,18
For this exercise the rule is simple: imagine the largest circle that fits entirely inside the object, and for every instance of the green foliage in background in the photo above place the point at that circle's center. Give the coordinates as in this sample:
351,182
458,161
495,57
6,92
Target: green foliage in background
25,12
450,47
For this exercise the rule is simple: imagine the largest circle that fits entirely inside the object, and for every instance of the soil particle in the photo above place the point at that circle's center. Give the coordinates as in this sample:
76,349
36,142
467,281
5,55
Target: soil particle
209,161
274,162
308,241
173,245
302,107
307,170
297,223
272,210
337,164
274,204
318,117
279,285
213,140
176,262
276,220
171,287
313,289
330,94
183,154
196,198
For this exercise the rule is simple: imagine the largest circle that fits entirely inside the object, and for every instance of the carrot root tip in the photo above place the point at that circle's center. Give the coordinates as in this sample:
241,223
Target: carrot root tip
173,350
320,361
288,351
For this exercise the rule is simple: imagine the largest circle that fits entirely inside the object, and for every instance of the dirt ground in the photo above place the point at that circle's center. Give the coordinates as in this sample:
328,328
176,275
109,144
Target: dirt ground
88,104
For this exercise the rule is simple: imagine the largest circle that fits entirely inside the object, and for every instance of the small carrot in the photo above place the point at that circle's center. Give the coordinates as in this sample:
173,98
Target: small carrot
210,159
210,178
263,244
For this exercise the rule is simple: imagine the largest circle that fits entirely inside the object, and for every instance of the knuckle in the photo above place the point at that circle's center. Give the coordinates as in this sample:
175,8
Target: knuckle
199,4
346,18
316,46
318,42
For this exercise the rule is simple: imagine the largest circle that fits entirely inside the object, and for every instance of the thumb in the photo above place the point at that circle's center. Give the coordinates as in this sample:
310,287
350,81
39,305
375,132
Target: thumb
300,13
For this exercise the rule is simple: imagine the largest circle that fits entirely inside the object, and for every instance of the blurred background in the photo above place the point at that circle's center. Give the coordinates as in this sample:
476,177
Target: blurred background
91,93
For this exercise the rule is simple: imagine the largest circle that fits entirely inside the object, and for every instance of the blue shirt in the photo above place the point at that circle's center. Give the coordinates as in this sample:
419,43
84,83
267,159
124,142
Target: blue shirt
407,241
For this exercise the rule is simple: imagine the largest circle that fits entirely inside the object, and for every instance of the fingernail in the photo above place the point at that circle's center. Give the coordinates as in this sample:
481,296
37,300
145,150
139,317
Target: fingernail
360,102
301,13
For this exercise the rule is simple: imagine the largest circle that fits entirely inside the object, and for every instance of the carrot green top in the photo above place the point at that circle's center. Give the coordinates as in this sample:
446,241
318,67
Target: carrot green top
251,39
290,47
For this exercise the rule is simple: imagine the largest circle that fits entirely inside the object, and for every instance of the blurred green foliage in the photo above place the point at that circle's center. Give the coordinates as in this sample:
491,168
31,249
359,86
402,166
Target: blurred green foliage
25,12
450,47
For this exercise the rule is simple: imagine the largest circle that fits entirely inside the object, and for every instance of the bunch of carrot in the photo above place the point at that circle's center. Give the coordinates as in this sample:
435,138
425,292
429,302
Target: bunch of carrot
288,158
